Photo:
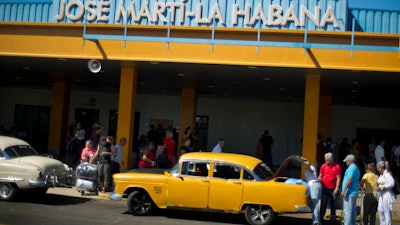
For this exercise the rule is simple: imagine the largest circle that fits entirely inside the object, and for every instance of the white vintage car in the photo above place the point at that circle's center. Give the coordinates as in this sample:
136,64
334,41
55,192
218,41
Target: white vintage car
22,168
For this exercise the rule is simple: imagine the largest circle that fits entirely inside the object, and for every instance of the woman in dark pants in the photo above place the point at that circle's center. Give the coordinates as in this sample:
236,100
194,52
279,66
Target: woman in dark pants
104,153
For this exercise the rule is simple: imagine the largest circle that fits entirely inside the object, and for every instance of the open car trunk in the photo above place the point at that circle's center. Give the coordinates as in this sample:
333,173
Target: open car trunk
295,159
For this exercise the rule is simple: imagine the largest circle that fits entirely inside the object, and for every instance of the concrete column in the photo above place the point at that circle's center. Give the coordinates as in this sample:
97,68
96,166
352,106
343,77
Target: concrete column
126,110
324,120
188,112
311,110
59,115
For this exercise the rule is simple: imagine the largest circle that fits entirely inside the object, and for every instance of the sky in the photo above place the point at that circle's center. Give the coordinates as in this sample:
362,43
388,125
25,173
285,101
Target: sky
375,4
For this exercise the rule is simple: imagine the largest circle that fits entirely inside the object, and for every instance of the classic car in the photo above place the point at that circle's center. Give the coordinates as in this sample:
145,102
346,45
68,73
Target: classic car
227,182
22,168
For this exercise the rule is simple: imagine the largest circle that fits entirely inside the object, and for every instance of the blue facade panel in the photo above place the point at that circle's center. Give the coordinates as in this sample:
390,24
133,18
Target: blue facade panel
13,12
377,21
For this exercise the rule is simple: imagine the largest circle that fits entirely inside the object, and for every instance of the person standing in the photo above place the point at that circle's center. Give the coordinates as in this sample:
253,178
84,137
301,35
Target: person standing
329,175
371,150
385,193
350,190
185,147
88,152
218,147
396,162
370,204
169,144
152,134
380,151
266,141
189,134
97,128
78,143
315,186
104,153
148,157
117,159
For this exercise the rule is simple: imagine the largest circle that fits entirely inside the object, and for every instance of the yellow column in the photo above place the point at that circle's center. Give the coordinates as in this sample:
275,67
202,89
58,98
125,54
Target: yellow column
126,110
59,115
310,127
325,111
188,112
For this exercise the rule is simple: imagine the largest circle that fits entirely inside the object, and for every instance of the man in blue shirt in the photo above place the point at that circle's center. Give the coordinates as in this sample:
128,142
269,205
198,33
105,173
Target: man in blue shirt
219,146
350,190
117,160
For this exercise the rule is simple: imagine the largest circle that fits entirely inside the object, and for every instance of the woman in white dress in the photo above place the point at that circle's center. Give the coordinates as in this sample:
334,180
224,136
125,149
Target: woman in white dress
385,194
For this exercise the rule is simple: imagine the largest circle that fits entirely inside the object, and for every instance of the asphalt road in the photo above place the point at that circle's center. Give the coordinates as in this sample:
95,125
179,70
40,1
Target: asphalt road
68,210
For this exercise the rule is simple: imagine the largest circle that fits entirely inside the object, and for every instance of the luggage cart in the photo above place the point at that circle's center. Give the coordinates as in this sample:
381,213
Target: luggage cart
87,178
359,208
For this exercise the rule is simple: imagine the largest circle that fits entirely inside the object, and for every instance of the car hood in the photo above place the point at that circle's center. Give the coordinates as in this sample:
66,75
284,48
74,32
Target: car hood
44,163
293,158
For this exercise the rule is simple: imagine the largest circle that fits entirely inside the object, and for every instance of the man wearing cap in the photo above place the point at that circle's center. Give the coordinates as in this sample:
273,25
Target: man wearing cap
350,190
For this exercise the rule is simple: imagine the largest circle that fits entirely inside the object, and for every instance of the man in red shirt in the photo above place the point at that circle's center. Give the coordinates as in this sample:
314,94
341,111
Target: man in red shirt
169,145
330,177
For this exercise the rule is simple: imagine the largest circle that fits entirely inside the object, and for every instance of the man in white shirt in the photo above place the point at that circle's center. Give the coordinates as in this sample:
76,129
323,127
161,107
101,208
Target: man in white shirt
315,188
219,146
380,152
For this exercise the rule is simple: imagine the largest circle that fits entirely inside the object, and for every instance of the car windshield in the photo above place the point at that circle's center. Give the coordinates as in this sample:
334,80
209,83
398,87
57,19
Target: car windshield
263,172
174,169
19,151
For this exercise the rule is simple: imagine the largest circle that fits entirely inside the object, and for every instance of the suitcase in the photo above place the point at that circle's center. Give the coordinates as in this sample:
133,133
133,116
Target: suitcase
86,171
83,185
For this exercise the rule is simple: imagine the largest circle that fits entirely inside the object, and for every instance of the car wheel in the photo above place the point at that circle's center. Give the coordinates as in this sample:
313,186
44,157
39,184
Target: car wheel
259,214
8,191
140,203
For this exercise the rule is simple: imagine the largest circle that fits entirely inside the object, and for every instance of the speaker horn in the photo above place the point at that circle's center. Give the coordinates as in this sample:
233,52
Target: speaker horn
94,65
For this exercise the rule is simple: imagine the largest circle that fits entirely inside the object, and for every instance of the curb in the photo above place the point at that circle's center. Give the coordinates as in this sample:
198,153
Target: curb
105,195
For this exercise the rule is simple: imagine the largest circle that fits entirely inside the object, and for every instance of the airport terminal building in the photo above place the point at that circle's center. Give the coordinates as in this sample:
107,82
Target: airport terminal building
227,68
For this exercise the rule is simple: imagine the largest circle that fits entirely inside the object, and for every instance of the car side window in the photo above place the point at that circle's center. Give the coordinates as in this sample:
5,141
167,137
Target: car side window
247,175
226,171
195,169
1,155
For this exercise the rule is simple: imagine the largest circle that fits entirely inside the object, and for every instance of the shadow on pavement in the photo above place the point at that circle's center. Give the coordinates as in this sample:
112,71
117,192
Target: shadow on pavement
51,199
219,217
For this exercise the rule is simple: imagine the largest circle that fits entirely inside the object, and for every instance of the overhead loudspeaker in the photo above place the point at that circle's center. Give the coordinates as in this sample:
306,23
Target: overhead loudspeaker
94,65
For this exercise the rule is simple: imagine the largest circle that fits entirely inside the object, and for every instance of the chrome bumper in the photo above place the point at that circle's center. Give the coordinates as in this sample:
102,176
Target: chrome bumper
52,180
302,209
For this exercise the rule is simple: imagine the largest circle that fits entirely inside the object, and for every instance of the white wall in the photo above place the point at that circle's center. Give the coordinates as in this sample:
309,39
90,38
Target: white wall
240,122
346,120
9,97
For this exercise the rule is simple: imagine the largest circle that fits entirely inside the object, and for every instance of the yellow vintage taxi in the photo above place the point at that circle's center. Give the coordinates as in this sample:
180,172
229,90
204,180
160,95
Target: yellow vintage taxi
227,182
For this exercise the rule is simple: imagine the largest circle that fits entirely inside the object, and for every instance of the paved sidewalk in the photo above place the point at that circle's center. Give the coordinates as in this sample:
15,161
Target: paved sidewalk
74,193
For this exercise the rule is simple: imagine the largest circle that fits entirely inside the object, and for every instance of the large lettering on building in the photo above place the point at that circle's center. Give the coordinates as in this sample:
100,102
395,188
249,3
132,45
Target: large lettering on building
171,12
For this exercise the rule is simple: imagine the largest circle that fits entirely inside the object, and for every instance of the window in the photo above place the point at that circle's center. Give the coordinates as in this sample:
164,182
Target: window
226,171
247,175
195,169
20,150
263,172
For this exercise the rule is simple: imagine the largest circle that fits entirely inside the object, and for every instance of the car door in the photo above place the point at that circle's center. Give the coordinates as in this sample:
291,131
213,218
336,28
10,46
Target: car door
226,187
190,188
